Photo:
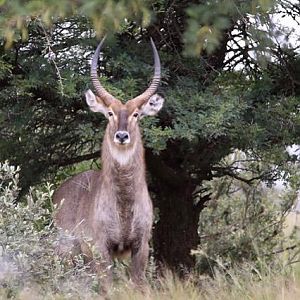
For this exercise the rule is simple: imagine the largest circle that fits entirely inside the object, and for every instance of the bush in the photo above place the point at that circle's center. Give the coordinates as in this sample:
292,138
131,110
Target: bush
28,241
243,225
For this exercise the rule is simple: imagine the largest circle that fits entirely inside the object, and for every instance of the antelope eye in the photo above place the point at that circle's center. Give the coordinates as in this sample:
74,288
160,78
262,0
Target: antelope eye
136,114
110,114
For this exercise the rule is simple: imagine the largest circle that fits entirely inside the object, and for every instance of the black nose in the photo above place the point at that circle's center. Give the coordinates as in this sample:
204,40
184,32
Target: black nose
122,136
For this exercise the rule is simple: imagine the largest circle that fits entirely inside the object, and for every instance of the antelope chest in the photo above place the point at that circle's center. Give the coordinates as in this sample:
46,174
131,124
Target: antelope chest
125,220
123,217
133,220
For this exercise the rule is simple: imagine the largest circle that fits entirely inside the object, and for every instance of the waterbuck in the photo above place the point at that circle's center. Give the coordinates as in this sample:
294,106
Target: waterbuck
112,207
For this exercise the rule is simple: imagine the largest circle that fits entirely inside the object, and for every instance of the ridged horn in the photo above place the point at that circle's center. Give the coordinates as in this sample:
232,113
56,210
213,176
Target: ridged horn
150,91
105,96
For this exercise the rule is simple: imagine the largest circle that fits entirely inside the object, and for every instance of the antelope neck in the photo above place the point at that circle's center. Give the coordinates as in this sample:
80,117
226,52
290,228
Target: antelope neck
124,180
122,161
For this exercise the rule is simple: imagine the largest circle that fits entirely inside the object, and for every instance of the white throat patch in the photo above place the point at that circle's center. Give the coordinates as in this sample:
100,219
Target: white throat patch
122,156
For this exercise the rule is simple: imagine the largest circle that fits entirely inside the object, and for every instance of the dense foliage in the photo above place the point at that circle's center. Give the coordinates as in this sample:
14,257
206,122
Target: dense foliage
243,224
230,79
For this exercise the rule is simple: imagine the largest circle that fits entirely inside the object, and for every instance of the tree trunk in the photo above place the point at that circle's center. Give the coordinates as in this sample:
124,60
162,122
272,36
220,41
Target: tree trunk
176,230
175,233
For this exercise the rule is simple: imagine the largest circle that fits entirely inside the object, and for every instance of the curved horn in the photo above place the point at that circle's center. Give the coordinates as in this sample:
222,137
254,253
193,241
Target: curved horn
105,96
141,99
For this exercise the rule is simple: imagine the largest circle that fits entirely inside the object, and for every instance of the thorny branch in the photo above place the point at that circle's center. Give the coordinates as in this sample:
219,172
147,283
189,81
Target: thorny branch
51,57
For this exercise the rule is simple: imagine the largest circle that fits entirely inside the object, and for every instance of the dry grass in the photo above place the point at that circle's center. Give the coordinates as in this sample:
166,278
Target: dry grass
238,287
237,284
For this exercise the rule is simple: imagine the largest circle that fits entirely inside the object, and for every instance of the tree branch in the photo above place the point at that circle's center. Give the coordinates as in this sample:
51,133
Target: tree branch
77,159
228,172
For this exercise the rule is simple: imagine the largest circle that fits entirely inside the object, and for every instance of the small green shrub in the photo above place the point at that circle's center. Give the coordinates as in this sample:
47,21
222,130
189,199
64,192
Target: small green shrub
28,241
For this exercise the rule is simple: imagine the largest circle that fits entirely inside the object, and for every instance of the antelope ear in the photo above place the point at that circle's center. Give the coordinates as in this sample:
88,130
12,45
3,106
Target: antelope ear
152,106
95,105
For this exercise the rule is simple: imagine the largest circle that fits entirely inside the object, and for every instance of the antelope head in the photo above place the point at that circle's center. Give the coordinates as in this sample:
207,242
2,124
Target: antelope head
122,129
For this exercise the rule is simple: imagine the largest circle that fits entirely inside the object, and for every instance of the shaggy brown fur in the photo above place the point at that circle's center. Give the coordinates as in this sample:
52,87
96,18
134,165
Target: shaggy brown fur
112,208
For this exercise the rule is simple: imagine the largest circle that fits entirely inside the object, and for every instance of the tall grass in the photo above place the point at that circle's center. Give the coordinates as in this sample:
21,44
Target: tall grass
236,284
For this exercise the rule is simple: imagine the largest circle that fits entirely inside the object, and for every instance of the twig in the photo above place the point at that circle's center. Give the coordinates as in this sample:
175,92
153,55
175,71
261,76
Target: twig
284,249
52,58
